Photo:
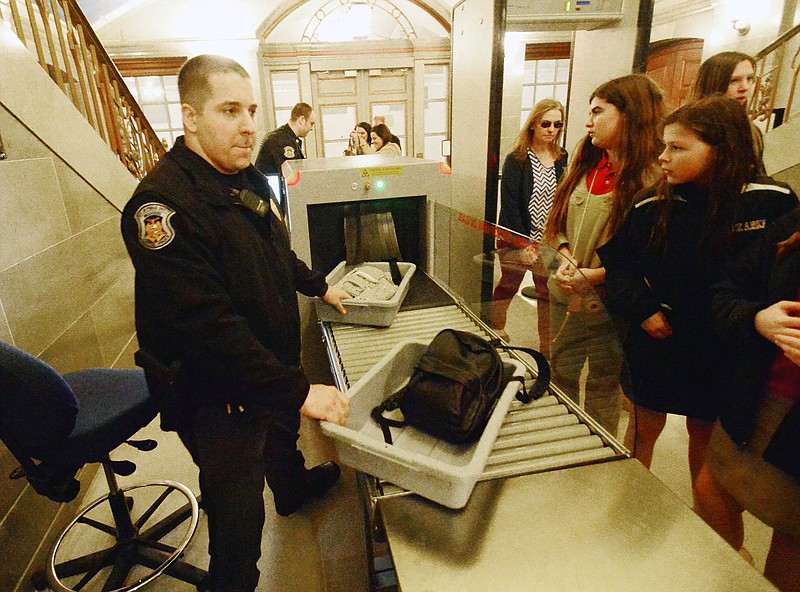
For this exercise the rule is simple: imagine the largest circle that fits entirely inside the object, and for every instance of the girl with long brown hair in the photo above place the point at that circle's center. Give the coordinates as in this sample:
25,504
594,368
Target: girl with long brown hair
706,211
616,159
731,74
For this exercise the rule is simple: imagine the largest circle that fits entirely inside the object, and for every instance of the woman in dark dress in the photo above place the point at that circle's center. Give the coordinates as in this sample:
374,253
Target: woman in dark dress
706,209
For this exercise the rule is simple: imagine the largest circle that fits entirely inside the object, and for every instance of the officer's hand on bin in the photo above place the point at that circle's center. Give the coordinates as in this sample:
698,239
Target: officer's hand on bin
334,297
327,403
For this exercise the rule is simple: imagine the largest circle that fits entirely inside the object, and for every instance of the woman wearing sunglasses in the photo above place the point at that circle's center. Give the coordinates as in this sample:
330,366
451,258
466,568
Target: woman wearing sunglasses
530,174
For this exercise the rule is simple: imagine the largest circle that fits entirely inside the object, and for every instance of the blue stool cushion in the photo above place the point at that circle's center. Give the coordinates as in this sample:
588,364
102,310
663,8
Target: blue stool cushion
114,405
37,406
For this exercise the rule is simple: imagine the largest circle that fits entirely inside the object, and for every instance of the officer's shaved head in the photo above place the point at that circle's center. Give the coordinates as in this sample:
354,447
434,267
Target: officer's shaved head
193,86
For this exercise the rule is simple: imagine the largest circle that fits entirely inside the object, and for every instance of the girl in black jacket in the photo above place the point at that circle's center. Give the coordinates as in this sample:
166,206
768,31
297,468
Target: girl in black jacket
753,459
707,208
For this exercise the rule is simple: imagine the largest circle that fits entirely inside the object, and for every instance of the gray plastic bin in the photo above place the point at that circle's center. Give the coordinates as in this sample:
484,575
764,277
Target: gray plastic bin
366,312
443,472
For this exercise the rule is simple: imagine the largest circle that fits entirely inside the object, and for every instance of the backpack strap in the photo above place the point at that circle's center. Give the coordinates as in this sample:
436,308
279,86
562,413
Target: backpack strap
390,404
542,365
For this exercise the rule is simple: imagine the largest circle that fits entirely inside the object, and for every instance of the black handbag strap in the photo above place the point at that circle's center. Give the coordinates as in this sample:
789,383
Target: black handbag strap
390,404
542,382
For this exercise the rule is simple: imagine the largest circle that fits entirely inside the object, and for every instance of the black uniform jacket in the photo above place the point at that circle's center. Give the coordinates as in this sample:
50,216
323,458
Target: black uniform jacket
279,145
516,187
216,293
757,281
673,375
643,279
761,202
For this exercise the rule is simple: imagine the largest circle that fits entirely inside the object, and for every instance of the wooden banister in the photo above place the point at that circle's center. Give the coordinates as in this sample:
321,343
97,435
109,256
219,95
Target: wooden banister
66,46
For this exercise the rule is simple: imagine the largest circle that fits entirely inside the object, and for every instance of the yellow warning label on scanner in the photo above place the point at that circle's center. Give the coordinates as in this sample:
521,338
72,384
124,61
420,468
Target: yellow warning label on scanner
383,171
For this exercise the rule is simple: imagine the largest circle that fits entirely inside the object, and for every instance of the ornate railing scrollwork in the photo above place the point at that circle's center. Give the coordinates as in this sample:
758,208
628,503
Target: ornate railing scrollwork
776,79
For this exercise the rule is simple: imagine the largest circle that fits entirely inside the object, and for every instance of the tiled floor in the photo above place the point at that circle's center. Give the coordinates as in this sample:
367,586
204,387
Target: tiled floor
322,548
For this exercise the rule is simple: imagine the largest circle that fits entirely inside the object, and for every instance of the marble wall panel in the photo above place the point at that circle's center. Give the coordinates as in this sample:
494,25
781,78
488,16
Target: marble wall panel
76,348
85,207
18,141
125,359
5,330
45,294
113,317
32,207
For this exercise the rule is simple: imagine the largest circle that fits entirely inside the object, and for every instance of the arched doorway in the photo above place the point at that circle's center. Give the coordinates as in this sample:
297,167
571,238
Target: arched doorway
354,59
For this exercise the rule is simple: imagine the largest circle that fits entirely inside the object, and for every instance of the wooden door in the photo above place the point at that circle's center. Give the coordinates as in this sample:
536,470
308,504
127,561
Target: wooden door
673,64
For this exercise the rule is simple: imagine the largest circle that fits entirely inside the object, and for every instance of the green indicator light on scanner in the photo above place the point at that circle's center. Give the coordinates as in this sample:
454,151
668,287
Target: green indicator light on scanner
379,184
567,6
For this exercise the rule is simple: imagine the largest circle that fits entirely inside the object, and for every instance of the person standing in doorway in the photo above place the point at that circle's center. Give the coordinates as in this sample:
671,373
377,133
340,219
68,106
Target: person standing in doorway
360,141
286,142
530,176
382,141
730,73
218,323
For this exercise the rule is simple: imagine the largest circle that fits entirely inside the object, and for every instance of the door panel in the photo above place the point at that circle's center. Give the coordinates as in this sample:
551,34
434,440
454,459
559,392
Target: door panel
388,83
336,123
673,65
336,87
343,98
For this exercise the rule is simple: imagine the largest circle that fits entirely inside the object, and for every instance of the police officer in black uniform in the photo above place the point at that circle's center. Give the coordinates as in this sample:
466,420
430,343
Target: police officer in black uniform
218,322
286,142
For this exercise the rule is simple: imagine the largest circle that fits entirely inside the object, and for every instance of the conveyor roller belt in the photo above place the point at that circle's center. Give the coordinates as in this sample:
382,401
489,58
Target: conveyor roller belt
543,435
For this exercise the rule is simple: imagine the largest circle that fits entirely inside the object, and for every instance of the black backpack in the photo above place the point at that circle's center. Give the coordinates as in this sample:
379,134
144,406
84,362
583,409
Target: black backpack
455,386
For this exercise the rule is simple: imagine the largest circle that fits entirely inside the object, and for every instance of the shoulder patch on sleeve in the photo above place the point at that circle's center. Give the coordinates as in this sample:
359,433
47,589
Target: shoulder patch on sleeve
765,187
155,229
288,152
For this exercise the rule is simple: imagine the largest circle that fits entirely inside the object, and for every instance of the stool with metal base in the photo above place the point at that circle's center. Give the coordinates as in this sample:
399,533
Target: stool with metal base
54,425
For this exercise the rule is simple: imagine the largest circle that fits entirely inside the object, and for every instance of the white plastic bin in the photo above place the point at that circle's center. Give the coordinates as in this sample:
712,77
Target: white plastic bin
433,468
366,312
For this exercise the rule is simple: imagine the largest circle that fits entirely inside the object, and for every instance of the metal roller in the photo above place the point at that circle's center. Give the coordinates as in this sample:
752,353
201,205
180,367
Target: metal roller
510,429
540,436
545,449
547,463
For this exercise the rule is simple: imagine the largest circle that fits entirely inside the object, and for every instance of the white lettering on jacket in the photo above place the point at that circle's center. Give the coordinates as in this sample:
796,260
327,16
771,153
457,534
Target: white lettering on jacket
750,225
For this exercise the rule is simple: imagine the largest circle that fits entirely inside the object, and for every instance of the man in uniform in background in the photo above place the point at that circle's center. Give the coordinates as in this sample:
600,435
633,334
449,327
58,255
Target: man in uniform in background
286,142
218,322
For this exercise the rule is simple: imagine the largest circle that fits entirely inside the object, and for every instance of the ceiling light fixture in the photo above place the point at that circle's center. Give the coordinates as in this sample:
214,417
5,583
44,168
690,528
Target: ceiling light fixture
741,27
